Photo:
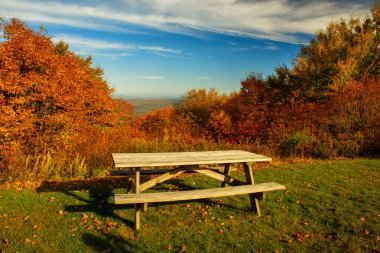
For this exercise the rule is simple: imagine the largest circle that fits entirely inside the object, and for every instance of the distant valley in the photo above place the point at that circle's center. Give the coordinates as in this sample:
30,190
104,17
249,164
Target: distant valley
147,105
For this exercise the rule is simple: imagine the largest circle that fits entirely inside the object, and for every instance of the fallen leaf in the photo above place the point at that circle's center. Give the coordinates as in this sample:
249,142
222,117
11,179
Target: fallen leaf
73,229
183,249
84,216
60,212
51,199
331,236
299,236
6,226
4,215
362,219
110,224
27,240
168,247
366,232
5,242
26,218
97,221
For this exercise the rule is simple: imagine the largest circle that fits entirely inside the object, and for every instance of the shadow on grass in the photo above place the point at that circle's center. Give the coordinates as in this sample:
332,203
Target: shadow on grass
110,243
75,185
100,190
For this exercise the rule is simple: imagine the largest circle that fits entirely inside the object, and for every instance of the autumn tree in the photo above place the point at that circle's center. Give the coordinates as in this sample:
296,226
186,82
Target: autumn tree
344,51
48,94
198,105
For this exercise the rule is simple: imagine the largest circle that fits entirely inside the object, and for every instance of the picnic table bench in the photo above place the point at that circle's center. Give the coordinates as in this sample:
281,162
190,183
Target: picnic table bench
189,161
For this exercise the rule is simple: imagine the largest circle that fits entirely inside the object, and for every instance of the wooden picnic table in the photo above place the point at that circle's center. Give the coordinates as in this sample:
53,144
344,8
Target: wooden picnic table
198,162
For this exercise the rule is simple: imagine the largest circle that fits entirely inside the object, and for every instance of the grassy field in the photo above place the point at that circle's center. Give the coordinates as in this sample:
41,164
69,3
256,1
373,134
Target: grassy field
147,105
329,206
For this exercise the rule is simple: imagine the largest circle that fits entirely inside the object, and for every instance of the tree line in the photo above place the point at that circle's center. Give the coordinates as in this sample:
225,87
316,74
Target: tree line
58,116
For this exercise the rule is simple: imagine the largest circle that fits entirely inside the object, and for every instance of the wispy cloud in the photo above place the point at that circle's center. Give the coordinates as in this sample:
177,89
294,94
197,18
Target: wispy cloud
278,20
237,48
151,77
203,78
102,47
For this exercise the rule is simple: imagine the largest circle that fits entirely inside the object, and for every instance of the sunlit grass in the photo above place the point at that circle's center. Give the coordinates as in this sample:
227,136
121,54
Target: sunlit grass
329,206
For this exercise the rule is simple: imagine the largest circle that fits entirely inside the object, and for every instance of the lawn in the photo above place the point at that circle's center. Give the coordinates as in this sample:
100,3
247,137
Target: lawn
329,206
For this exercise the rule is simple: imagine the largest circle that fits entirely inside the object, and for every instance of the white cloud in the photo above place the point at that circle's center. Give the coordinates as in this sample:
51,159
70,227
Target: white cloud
278,20
97,47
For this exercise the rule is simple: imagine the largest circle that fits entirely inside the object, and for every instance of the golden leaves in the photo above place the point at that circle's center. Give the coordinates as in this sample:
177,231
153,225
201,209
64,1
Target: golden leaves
48,95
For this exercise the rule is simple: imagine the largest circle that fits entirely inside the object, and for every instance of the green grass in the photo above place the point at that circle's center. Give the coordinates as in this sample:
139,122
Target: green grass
329,206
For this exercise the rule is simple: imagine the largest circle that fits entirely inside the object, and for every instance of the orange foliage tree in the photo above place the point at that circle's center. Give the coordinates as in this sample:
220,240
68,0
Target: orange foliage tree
50,98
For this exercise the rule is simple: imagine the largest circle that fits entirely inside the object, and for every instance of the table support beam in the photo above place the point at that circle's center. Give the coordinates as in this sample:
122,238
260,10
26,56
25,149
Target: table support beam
136,191
254,197
224,178
226,172
162,178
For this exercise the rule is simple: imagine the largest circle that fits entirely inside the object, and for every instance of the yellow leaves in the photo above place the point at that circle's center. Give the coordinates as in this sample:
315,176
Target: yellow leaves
300,236
61,212
47,90
5,242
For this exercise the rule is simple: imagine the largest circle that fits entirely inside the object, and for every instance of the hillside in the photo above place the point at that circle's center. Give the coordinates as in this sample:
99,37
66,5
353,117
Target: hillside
147,105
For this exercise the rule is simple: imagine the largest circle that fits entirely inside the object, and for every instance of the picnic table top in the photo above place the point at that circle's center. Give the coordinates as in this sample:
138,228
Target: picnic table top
132,160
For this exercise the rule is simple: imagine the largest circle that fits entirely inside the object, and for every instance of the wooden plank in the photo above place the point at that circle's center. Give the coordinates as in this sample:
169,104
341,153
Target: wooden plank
248,174
130,179
126,160
226,172
137,191
195,194
121,173
253,198
220,177
162,178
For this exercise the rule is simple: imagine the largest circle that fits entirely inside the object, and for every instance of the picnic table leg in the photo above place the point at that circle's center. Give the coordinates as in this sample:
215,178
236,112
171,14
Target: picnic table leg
130,179
254,197
145,207
137,206
226,172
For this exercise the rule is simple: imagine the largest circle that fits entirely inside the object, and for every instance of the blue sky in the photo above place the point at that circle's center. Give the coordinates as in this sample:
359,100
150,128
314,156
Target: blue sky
163,48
